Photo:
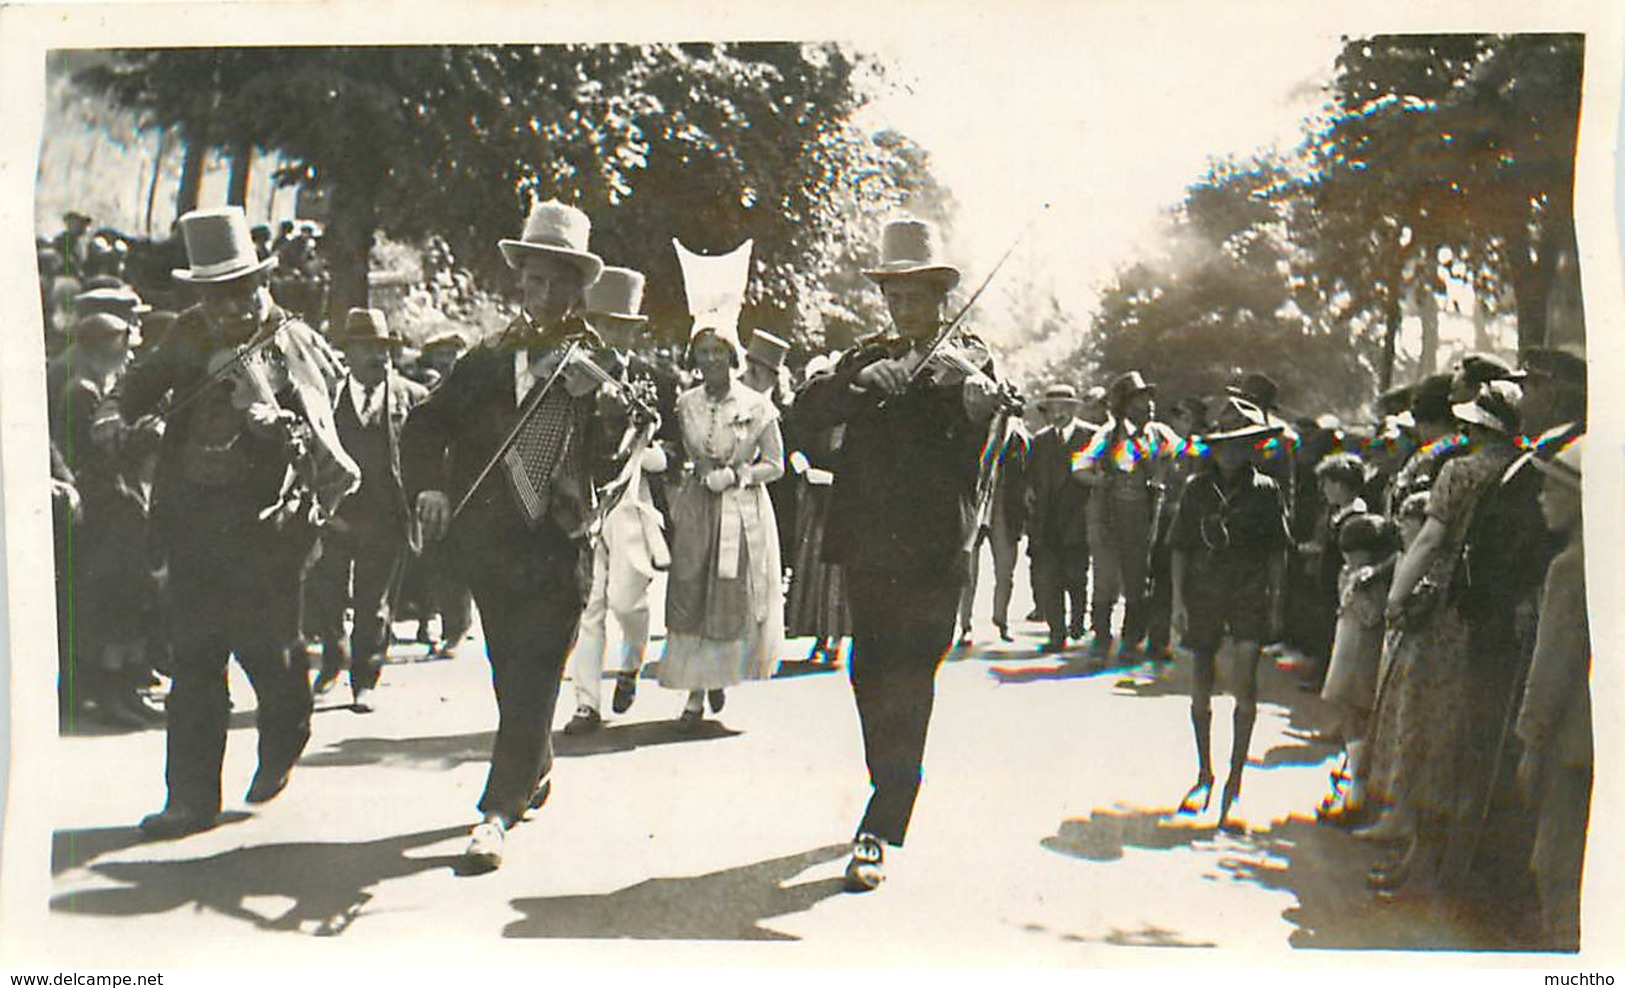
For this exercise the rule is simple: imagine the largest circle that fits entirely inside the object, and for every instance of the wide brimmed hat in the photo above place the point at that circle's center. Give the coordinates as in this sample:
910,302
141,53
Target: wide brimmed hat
1256,387
616,295
766,349
1476,370
909,248
1058,393
366,326
122,301
218,247
1494,407
1565,464
1239,420
1125,387
554,229
450,339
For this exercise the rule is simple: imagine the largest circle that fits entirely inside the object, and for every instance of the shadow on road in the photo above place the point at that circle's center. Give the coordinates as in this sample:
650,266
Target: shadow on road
442,752
1324,870
75,848
1104,834
328,883
721,905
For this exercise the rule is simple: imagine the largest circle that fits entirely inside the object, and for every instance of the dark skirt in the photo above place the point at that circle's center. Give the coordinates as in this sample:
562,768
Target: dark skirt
817,603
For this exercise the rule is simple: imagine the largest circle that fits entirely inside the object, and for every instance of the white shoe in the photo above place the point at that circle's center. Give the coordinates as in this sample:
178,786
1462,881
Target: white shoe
485,847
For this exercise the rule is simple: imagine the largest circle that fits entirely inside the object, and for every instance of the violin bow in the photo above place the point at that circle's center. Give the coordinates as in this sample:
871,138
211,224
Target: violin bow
947,332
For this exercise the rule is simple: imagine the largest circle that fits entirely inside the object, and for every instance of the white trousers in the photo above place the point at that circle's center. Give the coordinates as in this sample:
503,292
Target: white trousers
621,589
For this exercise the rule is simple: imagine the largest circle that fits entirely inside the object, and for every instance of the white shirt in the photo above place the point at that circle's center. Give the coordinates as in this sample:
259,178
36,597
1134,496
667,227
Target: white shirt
367,403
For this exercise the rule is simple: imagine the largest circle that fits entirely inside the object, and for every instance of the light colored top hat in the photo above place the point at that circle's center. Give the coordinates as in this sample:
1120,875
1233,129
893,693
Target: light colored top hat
1494,407
766,349
367,326
218,247
1239,420
555,230
1059,393
910,248
617,294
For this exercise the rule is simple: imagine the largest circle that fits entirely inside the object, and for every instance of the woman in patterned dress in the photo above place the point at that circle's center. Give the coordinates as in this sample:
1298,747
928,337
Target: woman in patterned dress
724,598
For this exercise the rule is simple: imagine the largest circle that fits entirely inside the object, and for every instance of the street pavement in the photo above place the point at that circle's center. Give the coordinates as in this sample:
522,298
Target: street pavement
1044,835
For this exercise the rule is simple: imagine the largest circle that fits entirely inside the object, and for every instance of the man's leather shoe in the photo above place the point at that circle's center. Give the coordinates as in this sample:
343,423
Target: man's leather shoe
325,681
485,847
171,822
867,869
268,784
626,691
1053,647
586,720
363,701
1004,633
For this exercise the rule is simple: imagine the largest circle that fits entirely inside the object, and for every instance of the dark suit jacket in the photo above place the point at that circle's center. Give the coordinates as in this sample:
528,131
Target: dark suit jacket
401,395
454,432
903,502
1057,519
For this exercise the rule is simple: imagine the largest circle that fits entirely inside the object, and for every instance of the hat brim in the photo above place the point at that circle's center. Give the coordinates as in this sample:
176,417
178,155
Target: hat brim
1470,413
394,342
1235,392
514,253
617,318
1058,400
186,277
1238,435
944,273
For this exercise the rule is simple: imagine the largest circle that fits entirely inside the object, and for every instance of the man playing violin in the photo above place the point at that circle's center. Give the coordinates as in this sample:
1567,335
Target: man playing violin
249,466
498,461
902,516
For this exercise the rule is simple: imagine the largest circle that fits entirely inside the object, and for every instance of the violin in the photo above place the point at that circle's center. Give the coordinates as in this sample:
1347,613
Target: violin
251,374
952,363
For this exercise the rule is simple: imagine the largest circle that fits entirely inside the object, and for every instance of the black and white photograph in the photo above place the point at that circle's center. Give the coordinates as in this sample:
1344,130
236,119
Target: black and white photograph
1023,485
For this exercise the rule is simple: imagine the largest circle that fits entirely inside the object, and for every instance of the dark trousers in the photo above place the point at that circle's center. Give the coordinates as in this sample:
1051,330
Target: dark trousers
1061,574
1160,604
229,610
902,626
361,568
528,634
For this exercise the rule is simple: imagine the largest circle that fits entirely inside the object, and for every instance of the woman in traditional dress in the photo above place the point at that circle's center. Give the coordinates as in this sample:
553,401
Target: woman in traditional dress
724,598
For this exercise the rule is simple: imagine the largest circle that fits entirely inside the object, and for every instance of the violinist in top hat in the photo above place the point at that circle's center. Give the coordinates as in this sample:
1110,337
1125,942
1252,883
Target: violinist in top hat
366,545
498,461
249,466
902,515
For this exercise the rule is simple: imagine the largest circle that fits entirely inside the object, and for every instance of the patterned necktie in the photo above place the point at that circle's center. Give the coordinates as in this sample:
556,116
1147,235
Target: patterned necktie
541,446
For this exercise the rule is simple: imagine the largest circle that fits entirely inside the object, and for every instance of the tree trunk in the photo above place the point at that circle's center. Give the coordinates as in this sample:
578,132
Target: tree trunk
1481,324
197,150
157,170
346,246
1427,307
242,157
1393,313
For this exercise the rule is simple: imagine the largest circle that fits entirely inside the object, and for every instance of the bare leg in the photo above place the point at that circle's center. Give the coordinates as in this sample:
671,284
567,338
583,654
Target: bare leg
1196,800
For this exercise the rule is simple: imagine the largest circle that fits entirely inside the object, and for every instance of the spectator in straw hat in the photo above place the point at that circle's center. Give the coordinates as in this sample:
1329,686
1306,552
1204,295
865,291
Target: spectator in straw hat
1554,719
235,531
365,546
1229,540
900,515
1058,535
518,539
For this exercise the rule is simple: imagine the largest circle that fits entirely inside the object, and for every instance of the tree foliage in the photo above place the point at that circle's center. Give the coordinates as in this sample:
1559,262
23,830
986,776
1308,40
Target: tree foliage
708,143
